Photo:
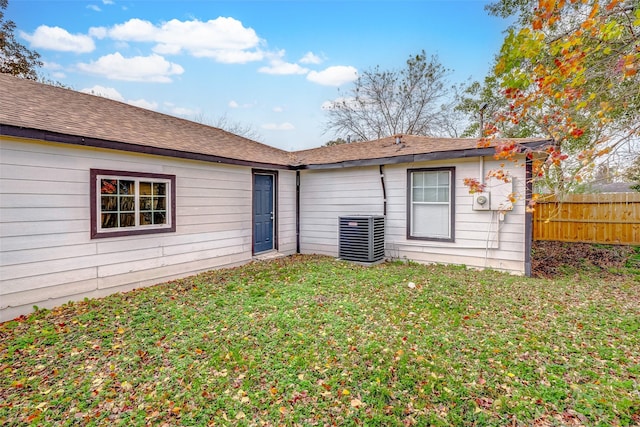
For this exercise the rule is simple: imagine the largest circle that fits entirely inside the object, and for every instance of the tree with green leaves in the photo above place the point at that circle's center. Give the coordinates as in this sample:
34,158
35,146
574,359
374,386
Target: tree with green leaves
385,103
15,58
480,102
568,70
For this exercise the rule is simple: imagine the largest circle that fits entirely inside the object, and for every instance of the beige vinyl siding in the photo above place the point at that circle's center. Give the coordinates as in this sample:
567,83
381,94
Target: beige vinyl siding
331,193
480,240
48,258
286,212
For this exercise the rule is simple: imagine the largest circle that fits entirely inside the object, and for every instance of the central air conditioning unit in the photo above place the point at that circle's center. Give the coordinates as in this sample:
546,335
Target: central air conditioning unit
361,238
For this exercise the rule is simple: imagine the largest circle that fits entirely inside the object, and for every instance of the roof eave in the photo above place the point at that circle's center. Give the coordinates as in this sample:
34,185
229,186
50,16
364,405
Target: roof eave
37,134
424,157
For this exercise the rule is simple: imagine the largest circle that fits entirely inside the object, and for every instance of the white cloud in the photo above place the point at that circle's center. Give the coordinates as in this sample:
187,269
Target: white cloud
283,68
57,70
276,126
222,39
94,7
334,76
105,92
136,30
153,68
278,109
51,65
234,104
98,32
174,110
310,58
107,2
111,93
181,111
143,103
230,56
56,38
121,45
221,33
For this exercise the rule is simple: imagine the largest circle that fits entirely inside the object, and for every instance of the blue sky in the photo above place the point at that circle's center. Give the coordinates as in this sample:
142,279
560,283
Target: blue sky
270,64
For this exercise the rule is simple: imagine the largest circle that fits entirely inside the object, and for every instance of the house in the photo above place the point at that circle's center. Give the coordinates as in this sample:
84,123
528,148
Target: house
613,187
98,196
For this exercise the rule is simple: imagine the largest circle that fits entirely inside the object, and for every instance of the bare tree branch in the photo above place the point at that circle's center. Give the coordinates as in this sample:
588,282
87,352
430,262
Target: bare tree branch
384,103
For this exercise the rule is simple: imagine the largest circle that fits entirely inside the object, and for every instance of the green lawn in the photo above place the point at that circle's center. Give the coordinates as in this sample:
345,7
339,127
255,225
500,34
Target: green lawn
310,340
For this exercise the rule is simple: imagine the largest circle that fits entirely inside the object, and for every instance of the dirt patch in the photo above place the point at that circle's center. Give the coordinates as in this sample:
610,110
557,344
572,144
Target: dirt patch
549,259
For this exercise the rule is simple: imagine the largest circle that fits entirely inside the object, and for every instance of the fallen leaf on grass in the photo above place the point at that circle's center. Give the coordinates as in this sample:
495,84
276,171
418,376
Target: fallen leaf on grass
484,402
356,403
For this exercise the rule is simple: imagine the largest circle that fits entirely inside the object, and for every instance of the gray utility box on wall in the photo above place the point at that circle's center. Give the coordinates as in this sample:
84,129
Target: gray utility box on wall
361,238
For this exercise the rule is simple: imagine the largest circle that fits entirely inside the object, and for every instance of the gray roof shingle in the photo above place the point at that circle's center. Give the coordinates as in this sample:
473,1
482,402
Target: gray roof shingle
32,105
26,104
411,147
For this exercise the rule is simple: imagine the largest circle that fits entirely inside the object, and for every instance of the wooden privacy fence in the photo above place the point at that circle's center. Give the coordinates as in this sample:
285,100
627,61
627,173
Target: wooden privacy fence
608,218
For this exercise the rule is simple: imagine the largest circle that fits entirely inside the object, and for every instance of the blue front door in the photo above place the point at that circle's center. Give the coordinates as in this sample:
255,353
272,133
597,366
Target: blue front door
263,213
